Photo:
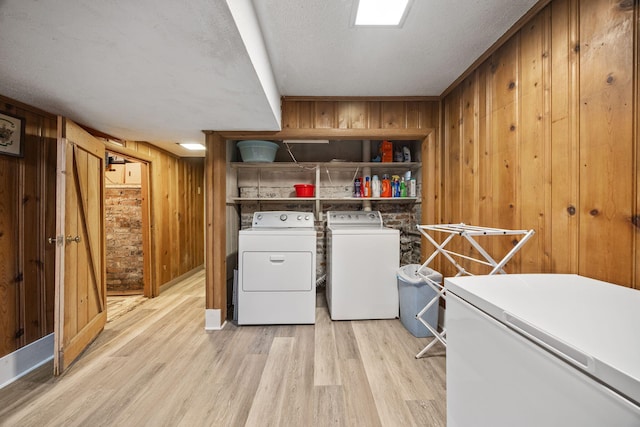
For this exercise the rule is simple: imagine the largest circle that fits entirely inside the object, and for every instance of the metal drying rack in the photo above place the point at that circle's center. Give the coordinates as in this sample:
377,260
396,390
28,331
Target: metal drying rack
468,232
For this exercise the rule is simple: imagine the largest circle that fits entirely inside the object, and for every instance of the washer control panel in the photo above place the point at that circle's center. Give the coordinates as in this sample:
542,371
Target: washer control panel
283,219
371,219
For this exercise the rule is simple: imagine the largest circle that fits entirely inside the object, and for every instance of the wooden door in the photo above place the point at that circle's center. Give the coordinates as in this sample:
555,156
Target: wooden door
80,311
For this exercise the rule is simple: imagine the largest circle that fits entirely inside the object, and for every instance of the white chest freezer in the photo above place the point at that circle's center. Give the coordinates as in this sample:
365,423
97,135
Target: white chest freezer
542,350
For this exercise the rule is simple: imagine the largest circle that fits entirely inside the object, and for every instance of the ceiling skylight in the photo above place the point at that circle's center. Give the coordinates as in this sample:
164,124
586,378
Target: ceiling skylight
386,13
193,147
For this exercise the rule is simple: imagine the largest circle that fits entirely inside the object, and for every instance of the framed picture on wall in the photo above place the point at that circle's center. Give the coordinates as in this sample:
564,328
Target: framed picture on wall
11,135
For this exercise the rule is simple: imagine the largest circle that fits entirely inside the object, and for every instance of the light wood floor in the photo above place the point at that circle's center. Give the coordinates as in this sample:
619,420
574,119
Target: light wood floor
119,305
156,366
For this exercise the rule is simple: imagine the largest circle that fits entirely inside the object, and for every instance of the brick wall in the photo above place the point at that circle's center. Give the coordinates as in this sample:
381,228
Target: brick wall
123,212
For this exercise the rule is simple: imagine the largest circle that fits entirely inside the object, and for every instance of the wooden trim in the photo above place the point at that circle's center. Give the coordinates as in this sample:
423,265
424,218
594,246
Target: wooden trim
209,257
219,150
215,214
329,133
150,287
127,152
357,98
636,147
58,318
99,134
497,45
27,107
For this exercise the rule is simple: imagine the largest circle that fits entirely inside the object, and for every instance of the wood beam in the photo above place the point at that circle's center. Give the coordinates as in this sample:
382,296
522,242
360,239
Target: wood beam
215,214
331,133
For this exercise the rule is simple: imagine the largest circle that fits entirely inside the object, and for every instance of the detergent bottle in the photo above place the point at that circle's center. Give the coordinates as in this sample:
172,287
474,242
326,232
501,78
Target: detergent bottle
386,151
367,187
385,187
395,186
375,186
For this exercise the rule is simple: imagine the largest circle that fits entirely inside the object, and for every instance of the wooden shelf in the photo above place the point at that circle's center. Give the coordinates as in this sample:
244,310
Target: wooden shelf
327,165
324,199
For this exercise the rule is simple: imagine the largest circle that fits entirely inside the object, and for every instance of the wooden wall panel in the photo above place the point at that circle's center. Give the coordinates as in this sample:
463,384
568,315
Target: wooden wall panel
483,105
505,143
27,218
533,196
606,142
9,265
556,141
453,184
359,113
468,151
564,163
177,211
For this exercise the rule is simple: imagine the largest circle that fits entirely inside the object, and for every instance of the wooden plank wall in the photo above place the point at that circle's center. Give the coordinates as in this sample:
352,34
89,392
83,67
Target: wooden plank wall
27,218
177,206
354,113
544,135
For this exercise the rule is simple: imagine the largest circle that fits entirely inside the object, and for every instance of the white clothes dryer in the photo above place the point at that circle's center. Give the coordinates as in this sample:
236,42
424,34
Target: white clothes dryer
363,257
277,269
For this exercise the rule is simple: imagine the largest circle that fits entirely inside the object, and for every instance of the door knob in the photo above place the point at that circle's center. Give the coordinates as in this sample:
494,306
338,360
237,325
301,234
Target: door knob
73,239
54,240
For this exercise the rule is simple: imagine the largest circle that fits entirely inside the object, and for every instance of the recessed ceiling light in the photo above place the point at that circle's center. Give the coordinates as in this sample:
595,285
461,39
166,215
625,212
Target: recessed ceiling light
193,146
390,13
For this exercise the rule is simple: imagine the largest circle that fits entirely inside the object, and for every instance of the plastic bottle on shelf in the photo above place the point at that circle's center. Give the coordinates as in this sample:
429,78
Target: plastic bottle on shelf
403,188
375,186
385,187
356,187
406,154
412,187
395,186
367,187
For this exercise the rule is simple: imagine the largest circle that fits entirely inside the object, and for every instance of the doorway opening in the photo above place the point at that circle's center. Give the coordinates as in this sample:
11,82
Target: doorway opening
125,233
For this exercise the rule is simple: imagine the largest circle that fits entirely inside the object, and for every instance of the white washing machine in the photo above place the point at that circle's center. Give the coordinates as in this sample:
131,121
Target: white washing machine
277,269
363,257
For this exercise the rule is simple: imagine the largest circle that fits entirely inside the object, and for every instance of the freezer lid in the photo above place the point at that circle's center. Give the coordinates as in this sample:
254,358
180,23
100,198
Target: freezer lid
590,323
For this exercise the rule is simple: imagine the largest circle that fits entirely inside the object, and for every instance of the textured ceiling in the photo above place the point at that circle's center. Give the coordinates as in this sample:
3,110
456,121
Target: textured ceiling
162,71
315,51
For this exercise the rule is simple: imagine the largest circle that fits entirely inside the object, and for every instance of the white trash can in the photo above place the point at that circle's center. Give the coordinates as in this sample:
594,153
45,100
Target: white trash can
415,294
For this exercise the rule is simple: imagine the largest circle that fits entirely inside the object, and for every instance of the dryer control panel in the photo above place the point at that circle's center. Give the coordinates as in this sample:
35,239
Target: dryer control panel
283,219
370,219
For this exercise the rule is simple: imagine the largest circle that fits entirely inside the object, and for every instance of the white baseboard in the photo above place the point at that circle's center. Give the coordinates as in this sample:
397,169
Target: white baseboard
212,320
26,359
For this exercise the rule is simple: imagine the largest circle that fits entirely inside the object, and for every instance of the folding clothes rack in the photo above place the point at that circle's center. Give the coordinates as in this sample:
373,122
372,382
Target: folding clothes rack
468,232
